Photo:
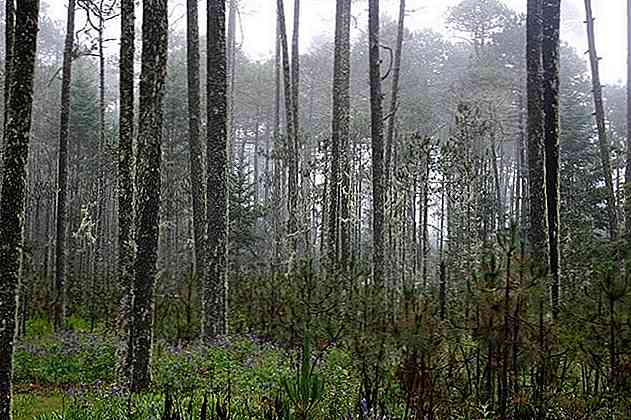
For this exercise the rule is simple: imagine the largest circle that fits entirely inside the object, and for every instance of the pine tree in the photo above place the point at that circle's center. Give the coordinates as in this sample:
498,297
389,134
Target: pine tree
215,286
195,146
376,117
59,305
551,104
338,200
16,147
125,180
148,163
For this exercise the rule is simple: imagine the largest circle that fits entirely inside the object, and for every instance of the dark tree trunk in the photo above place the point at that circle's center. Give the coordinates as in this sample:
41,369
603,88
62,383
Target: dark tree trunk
538,230
9,35
551,103
627,187
16,146
597,90
376,116
278,154
215,287
125,180
59,304
148,184
195,145
339,138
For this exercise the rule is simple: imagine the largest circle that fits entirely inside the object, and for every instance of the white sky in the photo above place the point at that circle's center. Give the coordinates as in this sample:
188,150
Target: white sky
317,20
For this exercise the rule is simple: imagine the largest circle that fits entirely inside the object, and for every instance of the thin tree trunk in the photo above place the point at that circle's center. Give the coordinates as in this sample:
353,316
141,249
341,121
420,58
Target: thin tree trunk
125,180
195,145
551,104
376,116
627,187
292,158
612,212
9,36
394,95
215,287
59,305
17,137
148,184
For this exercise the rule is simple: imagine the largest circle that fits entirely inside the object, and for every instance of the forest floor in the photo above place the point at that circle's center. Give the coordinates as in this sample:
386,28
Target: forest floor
73,376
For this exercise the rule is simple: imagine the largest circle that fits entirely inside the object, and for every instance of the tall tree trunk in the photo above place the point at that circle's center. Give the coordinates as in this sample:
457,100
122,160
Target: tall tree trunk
376,116
551,104
126,245
231,58
17,137
195,145
291,149
536,170
612,212
148,184
59,305
627,177
9,35
340,136
278,154
394,95
215,287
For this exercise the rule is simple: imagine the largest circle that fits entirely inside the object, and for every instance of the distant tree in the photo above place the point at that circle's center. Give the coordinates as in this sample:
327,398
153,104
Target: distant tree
16,149
214,291
376,118
605,158
59,304
195,146
148,164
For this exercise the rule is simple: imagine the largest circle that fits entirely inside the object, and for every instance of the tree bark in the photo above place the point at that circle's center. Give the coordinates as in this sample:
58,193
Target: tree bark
536,170
376,116
195,145
215,287
59,304
339,137
603,143
291,149
16,148
551,104
627,177
148,184
126,246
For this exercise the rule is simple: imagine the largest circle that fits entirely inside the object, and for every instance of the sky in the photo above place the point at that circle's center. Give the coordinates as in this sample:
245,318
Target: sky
257,23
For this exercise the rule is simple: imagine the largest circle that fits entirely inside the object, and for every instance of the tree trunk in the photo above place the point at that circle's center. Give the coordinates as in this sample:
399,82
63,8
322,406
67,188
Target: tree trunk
339,134
195,146
291,149
148,184
16,147
376,117
394,95
627,187
126,247
215,287
59,304
536,170
9,35
597,90
551,104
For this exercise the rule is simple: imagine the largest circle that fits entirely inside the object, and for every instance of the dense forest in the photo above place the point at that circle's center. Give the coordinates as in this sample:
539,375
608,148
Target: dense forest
394,223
